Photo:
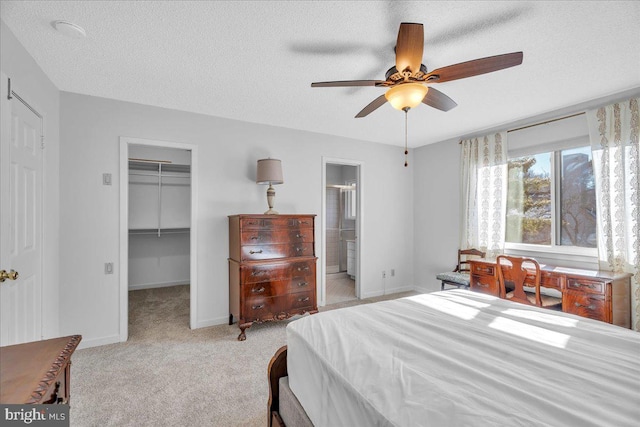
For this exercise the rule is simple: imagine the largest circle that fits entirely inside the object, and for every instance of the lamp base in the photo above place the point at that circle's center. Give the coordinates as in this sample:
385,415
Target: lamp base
271,195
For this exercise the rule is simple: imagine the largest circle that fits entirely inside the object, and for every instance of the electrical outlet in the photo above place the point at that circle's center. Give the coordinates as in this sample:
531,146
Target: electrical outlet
393,272
384,274
106,179
108,268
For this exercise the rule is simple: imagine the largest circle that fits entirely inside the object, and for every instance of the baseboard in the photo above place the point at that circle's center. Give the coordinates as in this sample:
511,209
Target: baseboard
371,294
212,322
389,291
157,285
333,269
399,289
96,342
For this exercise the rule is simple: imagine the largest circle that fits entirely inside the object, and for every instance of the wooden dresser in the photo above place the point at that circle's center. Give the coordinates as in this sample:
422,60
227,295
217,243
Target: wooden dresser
37,372
272,268
600,295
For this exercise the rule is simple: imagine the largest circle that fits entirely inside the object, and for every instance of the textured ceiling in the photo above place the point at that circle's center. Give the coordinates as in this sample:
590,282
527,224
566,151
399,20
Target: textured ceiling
254,61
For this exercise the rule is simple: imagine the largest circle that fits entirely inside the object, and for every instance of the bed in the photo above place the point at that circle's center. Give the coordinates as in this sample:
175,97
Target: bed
455,358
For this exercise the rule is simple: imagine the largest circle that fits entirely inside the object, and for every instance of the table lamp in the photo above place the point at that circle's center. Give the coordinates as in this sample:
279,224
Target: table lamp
269,172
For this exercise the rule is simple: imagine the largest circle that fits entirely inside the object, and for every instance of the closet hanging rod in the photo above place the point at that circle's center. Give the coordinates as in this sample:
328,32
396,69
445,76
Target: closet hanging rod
542,123
163,174
131,159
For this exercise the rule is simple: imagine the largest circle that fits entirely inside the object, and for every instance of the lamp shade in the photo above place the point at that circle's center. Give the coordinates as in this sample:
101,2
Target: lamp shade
269,172
406,95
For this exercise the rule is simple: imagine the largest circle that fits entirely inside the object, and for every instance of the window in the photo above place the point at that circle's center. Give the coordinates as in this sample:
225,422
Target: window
551,199
350,199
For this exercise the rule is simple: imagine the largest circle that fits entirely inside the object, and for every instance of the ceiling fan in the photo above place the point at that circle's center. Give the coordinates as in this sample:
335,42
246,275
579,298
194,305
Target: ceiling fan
409,81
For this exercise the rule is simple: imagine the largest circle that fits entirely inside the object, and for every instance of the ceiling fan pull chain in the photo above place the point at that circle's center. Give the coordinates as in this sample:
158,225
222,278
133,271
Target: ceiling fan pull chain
406,133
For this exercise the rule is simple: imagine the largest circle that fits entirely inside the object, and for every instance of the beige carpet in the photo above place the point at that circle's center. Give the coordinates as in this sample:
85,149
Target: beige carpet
169,375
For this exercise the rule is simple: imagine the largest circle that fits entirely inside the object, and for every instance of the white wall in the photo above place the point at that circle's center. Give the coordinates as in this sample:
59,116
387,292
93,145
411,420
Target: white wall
228,150
436,211
28,79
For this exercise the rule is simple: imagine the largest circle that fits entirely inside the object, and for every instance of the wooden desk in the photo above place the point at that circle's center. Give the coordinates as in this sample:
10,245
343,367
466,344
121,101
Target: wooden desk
37,372
600,295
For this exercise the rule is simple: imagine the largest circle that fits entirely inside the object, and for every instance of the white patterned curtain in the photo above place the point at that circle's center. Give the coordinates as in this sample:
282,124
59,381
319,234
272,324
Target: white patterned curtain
484,190
614,132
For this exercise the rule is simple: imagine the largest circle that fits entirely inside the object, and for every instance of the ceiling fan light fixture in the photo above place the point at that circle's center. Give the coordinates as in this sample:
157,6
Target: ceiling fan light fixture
406,95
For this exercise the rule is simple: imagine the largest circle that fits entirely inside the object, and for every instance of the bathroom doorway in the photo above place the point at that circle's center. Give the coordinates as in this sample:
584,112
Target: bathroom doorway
340,225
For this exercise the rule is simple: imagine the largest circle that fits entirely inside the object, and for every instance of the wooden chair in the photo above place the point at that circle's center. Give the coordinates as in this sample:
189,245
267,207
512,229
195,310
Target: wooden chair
459,277
512,276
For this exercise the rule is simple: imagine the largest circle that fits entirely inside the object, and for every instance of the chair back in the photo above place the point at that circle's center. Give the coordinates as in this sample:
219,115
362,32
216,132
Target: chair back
463,259
511,271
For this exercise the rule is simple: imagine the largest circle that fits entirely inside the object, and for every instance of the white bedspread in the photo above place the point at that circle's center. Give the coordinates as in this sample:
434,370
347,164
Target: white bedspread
459,358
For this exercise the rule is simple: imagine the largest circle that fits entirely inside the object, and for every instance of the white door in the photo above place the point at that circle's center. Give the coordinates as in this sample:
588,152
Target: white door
20,222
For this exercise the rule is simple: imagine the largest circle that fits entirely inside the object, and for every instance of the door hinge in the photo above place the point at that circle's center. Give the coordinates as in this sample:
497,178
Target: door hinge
42,142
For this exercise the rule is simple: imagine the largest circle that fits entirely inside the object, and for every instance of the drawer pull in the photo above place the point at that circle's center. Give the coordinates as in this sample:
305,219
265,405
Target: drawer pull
303,283
303,299
258,273
300,236
303,222
257,307
299,249
483,285
255,252
255,238
305,268
257,290
588,307
585,285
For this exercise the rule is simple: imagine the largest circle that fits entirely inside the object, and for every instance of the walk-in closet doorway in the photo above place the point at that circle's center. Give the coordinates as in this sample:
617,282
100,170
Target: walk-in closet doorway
158,196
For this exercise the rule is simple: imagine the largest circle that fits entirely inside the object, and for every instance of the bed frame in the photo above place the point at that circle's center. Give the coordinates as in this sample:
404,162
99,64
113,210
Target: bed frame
276,370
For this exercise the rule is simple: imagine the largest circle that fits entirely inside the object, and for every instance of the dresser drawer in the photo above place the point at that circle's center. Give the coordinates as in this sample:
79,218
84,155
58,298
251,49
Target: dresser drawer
278,287
586,305
484,284
260,307
483,269
287,235
301,300
284,270
304,268
275,251
264,272
550,281
271,223
585,285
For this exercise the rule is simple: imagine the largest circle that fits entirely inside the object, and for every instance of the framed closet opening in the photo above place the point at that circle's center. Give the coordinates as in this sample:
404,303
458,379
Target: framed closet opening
158,281
341,225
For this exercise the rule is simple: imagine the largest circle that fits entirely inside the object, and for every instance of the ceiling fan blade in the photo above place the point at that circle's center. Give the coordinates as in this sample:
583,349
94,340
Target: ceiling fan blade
436,99
374,105
409,47
474,67
347,83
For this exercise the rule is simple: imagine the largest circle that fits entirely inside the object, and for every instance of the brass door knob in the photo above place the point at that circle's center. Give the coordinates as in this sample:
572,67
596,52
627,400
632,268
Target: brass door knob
12,275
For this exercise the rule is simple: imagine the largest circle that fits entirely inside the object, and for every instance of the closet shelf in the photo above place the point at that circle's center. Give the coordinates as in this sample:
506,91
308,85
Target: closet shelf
157,167
158,231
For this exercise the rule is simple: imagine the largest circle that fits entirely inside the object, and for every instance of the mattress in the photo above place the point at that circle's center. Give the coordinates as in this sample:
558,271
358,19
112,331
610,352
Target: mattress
460,358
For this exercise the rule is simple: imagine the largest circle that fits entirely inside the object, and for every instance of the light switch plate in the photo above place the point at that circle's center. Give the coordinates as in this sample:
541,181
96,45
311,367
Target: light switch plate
106,179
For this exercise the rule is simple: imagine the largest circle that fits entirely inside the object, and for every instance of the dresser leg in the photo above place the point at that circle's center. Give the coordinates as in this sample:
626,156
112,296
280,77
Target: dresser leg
242,327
